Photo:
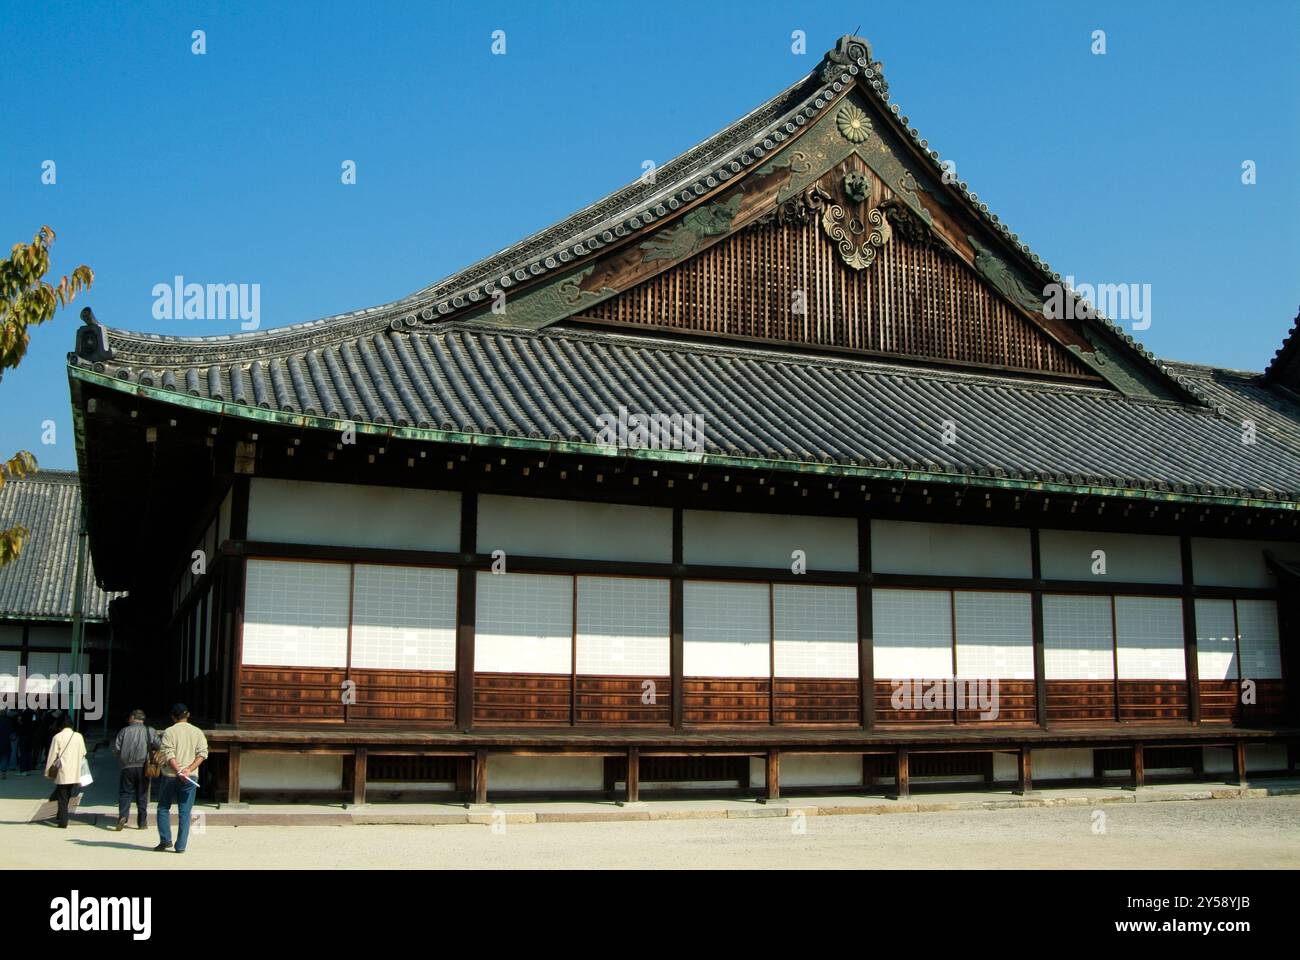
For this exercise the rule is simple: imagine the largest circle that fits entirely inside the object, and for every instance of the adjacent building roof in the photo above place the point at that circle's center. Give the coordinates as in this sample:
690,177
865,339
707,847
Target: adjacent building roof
766,406
40,584
1284,368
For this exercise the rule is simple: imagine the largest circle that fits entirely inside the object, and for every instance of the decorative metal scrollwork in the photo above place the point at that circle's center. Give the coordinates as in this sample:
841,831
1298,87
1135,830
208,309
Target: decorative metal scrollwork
857,229
857,242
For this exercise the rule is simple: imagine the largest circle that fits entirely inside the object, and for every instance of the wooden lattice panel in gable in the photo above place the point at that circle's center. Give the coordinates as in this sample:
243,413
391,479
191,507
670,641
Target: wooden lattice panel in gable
916,300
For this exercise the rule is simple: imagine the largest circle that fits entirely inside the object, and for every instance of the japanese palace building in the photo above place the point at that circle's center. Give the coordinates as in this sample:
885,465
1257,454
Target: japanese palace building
773,471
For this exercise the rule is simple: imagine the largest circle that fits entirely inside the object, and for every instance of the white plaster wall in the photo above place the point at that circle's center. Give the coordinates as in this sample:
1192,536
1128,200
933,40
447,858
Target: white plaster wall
508,772
723,538
289,771
1061,764
1219,759
1006,767
349,515
949,549
1264,756
1260,757
1136,558
840,770
223,520
529,526
1237,563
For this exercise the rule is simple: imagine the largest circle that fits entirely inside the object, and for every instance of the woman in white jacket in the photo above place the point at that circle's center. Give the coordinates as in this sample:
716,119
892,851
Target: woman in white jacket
63,766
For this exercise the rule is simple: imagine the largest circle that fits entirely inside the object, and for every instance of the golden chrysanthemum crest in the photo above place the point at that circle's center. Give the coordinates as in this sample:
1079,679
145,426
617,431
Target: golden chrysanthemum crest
854,125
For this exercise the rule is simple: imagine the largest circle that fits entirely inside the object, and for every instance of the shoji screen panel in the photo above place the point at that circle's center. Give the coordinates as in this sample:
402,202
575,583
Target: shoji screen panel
623,651
1079,657
295,641
523,649
815,655
1151,657
1261,658
995,641
10,660
404,644
1216,658
1261,654
726,659
912,641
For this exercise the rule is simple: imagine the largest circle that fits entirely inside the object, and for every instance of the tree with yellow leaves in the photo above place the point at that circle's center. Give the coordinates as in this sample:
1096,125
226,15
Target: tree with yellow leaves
28,299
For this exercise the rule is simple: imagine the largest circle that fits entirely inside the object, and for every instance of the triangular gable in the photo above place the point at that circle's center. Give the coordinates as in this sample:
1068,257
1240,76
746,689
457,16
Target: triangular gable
949,284
845,264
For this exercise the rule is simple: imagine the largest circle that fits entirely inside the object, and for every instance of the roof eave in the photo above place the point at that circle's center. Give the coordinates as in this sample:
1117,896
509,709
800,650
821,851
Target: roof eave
224,408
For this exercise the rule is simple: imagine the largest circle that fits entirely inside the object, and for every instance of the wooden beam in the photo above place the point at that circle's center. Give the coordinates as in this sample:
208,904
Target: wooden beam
901,780
1024,771
466,585
1239,763
233,598
359,765
1040,656
866,628
633,780
232,776
1139,767
676,624
773,780
480,777
1192,668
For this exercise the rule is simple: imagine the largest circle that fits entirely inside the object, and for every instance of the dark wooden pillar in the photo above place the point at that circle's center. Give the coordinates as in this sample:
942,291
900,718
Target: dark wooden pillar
1036,608
359,761
633,781
773,774
866,659
1024,772
1239,763
1139,767
676,622
903,787
480,776
466,584
1192,670
232,774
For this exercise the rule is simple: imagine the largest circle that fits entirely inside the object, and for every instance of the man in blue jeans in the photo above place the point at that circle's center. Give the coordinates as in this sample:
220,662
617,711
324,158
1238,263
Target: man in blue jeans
184,748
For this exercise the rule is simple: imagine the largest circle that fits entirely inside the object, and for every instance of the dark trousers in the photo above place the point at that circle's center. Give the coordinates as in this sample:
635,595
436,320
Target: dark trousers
64,793
133,787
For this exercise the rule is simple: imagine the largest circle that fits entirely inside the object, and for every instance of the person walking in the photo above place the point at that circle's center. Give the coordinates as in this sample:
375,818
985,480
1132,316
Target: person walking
8,742
131,747
26,741
184,748
63,766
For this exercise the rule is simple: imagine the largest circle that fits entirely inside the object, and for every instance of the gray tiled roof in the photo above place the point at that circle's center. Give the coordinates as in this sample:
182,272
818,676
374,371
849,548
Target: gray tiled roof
771,405
39,584
637,208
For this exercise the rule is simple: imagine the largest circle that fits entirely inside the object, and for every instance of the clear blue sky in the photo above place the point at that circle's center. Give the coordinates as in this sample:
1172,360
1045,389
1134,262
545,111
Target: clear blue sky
226,167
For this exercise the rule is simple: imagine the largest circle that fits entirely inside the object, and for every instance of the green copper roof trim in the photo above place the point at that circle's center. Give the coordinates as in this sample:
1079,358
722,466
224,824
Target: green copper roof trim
848,471
9,617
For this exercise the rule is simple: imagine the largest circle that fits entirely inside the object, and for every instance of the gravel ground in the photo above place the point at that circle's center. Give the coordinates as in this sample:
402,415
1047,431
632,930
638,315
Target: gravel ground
1202,834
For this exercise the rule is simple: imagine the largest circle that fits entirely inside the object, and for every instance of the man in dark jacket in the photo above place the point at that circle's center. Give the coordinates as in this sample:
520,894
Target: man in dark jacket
131,747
